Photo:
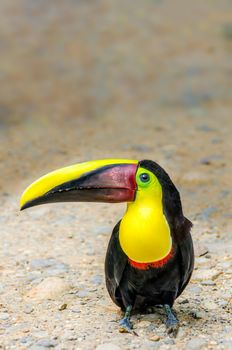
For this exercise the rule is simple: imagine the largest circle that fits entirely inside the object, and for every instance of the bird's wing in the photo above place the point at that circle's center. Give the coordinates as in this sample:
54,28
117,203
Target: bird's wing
186,258
115,264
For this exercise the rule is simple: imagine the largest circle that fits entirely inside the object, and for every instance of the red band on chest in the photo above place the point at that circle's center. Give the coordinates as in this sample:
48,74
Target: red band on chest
154,264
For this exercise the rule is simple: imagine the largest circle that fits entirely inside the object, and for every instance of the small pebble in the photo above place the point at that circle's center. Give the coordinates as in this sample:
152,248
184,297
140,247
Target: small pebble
28,309
68,335
82,294
4,316
54,272
40,334
62,307
75,310
208,283
222,303
47,343
198,314
202,261
49,288
154,337
169,341
26,340
194,289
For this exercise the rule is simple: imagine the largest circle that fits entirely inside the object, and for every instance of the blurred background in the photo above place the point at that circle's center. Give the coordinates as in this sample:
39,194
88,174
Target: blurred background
87,79
83,80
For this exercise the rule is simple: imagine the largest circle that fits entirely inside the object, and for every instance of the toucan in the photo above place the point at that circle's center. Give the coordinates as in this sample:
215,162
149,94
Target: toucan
150,256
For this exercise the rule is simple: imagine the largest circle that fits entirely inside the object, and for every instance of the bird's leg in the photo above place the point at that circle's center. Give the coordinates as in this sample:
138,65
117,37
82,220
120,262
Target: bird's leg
172,322
124,324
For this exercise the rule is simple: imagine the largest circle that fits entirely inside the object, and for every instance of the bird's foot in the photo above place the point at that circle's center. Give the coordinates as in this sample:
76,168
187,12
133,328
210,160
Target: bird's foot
125,326
172,327
172,323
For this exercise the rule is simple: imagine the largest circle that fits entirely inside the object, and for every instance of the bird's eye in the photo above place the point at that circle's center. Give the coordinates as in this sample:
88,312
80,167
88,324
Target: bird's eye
144,177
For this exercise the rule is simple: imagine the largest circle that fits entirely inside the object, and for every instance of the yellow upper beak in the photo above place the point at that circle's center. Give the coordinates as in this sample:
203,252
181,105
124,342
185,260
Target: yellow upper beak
52,180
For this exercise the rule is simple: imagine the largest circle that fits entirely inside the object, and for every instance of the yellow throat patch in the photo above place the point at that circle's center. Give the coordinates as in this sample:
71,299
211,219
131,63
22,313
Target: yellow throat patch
144,233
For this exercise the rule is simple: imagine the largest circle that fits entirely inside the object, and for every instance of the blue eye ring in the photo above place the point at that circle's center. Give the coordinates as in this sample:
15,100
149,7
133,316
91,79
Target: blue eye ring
144,177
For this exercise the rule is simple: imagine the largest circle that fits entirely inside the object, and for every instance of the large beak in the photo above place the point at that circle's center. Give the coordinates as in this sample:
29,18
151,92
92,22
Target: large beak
109,180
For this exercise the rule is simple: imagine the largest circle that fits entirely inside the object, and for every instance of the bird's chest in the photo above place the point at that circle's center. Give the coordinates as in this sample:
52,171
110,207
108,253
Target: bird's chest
144,234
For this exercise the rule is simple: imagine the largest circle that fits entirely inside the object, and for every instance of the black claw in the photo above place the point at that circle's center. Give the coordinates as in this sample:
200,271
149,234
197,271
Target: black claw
172,327
172,322
125,325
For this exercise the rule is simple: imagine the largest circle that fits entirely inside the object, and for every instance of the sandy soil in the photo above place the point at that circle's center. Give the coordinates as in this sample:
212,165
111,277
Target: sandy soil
86,80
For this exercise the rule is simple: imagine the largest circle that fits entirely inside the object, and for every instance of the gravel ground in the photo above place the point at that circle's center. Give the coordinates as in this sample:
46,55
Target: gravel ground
86,80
